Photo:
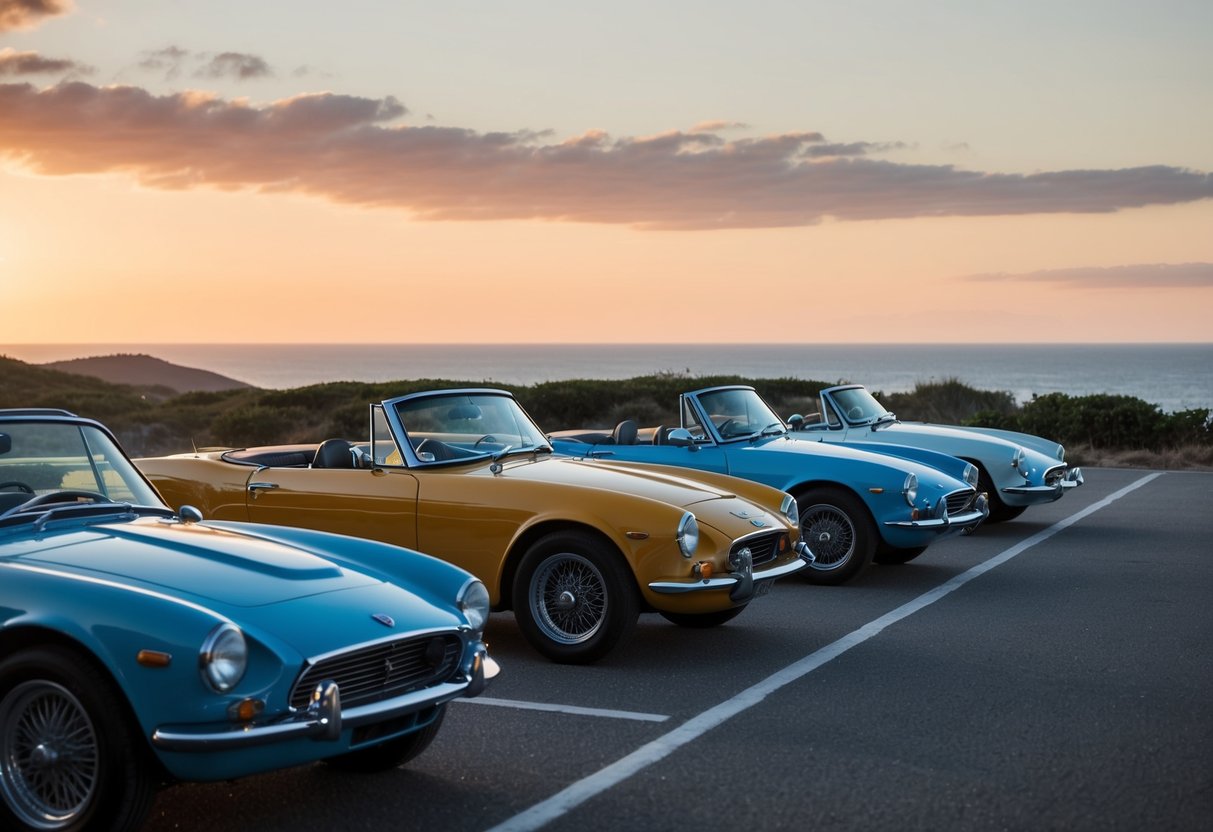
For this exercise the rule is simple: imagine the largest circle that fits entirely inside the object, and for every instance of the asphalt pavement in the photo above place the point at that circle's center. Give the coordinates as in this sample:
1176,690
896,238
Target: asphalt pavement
1052,672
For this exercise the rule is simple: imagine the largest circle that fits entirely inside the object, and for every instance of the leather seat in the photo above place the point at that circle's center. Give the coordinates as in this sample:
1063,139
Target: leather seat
625,433
660,434
333,453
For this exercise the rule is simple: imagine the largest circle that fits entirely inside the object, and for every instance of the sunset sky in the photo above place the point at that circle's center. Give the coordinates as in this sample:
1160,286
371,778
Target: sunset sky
477,171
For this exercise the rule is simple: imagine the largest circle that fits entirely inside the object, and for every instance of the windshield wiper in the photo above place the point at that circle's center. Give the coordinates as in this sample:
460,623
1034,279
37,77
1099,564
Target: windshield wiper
885,419
770,430
521,449
40,515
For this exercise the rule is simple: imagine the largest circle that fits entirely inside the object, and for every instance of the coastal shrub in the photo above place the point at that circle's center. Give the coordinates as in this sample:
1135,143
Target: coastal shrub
1103,422
258,425
1096,427
950,401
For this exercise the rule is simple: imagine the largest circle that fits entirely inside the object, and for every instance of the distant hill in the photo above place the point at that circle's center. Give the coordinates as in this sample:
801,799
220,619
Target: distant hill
145,371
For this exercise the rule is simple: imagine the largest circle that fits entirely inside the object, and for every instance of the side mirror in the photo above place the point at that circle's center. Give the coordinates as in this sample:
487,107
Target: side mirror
189,514
795,421
681,438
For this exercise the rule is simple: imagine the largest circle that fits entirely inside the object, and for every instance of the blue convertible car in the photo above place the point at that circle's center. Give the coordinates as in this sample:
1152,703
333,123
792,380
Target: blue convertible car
139,645
856,505
1016,470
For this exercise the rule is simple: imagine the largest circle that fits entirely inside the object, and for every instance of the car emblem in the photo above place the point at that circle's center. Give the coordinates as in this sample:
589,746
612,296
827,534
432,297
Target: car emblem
742,513
384,619
758,523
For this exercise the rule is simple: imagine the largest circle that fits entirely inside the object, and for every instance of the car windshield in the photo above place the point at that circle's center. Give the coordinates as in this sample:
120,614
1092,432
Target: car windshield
740,413
859,407
41,458
464,426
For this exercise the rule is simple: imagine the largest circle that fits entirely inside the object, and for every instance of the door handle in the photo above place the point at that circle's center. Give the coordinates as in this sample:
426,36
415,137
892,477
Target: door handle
254,487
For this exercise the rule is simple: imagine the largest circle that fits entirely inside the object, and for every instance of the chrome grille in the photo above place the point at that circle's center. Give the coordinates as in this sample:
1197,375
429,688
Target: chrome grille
383,670
763,547
958,501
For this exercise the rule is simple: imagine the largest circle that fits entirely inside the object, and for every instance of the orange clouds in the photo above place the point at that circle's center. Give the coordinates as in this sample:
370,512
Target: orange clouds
26,14
346,148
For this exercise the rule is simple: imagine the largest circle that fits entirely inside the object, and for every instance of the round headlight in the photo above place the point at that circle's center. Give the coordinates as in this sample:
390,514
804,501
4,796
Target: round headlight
687,535
910,489
1018,461
474,604
223,658
790,510
970,475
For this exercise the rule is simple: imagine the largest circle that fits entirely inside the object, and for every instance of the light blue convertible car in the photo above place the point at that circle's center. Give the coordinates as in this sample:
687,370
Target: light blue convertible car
139,645
1016,470
856,505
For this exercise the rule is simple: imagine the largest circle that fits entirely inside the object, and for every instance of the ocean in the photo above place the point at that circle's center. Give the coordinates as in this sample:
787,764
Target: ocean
1172,376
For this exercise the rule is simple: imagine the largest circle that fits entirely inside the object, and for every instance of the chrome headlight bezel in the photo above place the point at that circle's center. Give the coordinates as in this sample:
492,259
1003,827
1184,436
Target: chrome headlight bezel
687,535
790,510
1019,460
223,657
971,475
909,489
473,601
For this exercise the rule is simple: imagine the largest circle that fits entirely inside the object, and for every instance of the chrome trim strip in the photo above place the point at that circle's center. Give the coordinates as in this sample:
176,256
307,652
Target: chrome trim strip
968,517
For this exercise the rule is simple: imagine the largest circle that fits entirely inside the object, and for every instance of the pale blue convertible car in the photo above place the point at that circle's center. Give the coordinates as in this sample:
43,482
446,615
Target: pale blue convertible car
1016,470
140,645
856,505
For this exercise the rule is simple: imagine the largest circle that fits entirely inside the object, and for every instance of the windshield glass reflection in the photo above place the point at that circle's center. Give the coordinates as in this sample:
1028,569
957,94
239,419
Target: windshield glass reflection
740,413
467,426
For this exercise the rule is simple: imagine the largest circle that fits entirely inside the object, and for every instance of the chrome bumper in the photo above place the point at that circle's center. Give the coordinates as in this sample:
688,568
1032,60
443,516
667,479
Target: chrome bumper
1072,479
741,582
324,718
966,519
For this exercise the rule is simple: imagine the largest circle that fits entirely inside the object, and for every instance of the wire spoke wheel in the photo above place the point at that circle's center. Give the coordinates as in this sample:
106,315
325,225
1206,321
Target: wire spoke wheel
841,532
830,534
50,759
568,598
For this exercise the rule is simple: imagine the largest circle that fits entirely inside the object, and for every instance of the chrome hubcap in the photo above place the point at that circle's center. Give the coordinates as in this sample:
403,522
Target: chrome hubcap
568,598
834,535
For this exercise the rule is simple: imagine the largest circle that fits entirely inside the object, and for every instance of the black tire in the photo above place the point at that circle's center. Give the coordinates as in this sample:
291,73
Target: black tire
390,754
888,556
840,531
1000,512
703,620
102,779
574,597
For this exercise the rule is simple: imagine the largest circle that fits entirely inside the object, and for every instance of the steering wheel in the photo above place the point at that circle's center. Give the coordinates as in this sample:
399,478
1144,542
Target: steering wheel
488,437
724,426
20,486
855,413
67,495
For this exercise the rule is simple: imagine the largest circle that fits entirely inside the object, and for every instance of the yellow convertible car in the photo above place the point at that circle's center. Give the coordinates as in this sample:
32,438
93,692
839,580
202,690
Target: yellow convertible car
577,549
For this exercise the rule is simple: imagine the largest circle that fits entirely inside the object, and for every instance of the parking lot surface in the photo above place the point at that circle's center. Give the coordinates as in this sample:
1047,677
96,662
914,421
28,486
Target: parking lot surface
1051,672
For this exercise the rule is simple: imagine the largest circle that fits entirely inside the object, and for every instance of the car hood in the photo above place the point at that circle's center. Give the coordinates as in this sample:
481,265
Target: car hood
959,441
660,484
845,458
189,560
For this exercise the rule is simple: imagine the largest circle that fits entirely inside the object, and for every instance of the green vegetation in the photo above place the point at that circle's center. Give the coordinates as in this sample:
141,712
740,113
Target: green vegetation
1095,429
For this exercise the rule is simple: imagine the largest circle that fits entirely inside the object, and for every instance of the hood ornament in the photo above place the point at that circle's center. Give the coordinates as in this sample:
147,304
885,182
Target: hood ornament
384,619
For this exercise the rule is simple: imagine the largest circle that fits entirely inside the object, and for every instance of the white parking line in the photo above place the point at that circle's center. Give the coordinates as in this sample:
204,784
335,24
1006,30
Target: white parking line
564,709
579,792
